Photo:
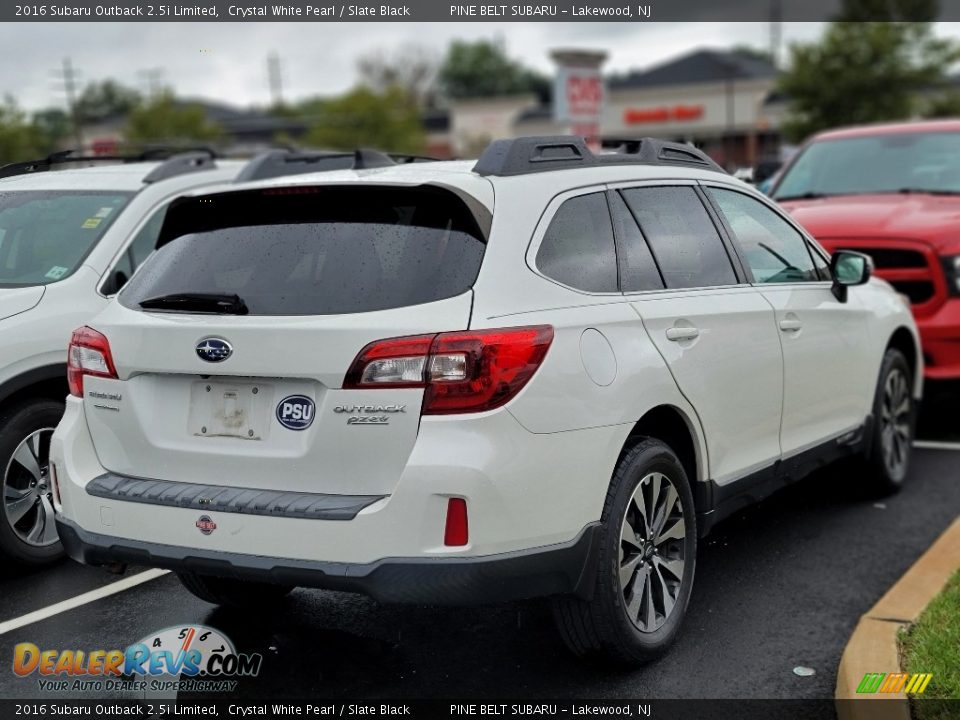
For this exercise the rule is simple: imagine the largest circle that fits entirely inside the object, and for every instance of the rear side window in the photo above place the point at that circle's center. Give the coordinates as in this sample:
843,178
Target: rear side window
44,236
577,249
684,241
316,251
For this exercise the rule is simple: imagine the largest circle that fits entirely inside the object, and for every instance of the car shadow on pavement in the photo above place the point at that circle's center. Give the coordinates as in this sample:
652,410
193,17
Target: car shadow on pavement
341,645
938,419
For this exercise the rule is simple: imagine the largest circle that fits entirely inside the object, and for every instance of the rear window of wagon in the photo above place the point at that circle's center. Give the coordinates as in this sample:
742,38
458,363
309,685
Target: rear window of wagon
321,250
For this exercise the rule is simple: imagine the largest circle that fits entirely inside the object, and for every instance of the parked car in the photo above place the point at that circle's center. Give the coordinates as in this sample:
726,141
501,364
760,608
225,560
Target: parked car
69,240
892,192
546,373
70,236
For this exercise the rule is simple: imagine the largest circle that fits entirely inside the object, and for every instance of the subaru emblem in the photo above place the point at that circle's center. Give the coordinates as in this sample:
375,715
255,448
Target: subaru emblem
214,350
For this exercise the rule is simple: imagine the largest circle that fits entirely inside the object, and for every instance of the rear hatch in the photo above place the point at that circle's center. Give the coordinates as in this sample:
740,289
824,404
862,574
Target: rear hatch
232,342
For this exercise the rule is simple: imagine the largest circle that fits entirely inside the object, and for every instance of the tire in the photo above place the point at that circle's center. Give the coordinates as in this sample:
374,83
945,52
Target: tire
28,534
615,624
887,462
231,592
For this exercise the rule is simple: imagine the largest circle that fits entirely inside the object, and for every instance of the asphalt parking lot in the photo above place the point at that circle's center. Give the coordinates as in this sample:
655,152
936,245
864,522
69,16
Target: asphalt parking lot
778,586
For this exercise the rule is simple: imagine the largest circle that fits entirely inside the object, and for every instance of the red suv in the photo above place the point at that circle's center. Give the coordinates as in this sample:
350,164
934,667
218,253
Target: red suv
893,192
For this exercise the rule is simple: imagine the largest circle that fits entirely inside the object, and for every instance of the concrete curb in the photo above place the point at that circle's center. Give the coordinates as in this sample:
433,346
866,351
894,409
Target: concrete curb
873,646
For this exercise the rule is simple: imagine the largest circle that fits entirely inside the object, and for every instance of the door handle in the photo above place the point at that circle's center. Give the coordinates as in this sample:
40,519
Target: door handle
682,333
790,325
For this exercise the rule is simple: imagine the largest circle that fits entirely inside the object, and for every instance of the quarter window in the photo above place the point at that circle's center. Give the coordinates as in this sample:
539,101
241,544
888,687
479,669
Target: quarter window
139,250
774,250
578,248
686,245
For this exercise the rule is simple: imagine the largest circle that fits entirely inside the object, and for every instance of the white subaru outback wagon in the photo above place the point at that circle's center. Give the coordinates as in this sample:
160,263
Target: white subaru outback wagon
543,374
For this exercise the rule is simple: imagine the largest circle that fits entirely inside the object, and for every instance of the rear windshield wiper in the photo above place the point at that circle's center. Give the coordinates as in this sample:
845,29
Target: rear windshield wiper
198,302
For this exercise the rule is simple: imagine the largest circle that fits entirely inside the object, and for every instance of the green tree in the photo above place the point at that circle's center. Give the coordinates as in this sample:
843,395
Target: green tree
482,69
946,105
54,126
164,120
100,100
863,72
411,67
20,139
387,120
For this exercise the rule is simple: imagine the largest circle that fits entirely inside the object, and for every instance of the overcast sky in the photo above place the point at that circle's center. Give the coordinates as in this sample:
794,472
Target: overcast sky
227,61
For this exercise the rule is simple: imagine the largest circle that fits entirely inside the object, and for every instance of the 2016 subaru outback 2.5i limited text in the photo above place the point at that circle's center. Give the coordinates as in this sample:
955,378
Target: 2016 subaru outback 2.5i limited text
545,374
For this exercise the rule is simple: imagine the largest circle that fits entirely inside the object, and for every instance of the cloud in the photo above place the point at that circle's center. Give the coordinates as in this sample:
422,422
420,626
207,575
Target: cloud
227,61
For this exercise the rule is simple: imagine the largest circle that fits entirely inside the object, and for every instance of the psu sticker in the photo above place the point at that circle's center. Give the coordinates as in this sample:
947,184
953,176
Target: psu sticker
295,412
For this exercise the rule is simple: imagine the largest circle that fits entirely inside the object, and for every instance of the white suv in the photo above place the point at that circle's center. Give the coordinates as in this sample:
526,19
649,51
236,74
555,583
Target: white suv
70,236
68,241
544,374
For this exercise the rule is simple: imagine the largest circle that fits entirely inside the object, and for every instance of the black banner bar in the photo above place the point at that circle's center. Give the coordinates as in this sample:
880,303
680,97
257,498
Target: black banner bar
432,709
637,11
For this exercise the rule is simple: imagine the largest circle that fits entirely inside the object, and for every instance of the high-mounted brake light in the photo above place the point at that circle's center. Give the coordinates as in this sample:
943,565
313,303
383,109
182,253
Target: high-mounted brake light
468,371
88,354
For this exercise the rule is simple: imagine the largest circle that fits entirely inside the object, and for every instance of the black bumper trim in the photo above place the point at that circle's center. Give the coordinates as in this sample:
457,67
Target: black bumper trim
568,568
219,498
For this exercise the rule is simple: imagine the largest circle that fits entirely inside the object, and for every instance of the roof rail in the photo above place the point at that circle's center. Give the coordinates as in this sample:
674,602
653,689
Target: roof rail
525,155
63,157
404,159
281,162
180,164
163,152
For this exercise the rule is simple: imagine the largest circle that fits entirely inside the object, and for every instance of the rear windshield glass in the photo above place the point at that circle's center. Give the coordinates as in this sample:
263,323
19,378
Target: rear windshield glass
44,236
315,251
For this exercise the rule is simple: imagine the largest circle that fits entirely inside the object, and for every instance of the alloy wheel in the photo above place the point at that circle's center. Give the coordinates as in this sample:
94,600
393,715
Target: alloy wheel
895,410
652,552
27,503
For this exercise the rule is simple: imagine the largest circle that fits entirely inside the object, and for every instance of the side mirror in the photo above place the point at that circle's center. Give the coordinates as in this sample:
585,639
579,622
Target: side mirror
849,268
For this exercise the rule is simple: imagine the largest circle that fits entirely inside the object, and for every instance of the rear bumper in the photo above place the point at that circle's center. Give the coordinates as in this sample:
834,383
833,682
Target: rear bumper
940,337
569,568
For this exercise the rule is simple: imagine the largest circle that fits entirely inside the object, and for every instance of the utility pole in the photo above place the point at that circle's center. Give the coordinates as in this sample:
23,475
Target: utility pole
776,31
152,81
69,78
275,79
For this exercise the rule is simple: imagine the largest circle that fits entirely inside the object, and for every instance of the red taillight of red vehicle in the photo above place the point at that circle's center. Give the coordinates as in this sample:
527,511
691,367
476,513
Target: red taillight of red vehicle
469,371
456,533
88,354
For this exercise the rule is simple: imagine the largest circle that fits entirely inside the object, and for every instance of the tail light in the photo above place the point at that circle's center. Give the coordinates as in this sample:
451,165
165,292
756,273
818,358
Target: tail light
88,354
468,371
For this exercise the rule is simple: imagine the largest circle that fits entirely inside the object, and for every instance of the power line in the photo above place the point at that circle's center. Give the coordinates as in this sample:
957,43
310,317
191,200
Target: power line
275,78
776,31
152,79
69,78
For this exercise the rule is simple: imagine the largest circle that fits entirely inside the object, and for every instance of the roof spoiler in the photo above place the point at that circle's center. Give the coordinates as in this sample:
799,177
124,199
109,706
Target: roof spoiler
283,162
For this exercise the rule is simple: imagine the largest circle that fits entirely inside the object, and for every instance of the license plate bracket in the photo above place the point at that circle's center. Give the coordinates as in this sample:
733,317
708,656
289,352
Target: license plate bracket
229,409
